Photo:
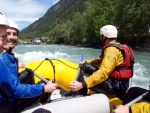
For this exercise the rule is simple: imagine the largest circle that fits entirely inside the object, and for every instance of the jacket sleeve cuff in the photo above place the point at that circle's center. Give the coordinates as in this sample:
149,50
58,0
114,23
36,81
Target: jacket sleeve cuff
43,90
83,84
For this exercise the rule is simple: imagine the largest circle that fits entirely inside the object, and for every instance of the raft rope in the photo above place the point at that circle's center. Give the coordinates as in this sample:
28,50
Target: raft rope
53,66
65,64
38,65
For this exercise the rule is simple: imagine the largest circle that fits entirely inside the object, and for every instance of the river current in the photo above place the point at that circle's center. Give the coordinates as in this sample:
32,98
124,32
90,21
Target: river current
27,53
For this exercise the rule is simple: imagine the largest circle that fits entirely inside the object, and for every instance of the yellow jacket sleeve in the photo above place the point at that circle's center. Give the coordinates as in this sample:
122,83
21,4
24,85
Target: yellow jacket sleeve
96,62
142,107
112,58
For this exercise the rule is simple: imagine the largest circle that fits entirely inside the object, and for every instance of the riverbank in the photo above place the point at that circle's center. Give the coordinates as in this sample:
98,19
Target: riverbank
144,49
137,48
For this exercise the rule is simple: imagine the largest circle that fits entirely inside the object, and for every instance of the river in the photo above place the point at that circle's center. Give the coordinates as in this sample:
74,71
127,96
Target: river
27,53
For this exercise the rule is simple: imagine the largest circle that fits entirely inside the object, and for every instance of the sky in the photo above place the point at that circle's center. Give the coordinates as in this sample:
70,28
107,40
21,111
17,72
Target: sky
25,12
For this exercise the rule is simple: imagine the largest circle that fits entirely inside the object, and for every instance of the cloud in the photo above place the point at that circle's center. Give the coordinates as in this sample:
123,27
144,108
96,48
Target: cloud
25,11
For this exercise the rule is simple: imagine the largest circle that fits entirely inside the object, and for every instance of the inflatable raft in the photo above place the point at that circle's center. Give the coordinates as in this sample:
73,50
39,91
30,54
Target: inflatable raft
63,72
96,103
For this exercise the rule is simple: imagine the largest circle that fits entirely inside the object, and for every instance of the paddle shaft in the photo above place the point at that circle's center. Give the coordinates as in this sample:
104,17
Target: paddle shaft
137,99
78,72
40,77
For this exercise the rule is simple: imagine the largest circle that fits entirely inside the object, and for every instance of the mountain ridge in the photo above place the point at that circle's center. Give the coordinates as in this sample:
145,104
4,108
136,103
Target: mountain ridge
52,13
77,22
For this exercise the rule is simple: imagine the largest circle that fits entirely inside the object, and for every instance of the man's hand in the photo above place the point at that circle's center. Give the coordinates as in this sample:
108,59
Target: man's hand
75,86
50,87
20,64
121,109
80,63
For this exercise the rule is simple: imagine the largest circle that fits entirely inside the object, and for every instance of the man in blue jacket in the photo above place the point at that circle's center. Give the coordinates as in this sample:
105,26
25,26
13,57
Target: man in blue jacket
3,34
12,39
10,87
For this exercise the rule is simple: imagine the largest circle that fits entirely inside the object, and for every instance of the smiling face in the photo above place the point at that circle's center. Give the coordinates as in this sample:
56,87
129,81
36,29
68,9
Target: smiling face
12,37
3,36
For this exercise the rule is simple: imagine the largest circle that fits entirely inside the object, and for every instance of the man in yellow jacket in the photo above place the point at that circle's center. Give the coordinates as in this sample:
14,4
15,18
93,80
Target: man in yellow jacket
113,68
141,107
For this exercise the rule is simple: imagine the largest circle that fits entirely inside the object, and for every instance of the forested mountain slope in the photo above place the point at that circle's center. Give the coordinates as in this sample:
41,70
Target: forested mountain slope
77,22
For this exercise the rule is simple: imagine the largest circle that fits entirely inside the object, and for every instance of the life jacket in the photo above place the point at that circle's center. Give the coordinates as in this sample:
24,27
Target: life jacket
124,70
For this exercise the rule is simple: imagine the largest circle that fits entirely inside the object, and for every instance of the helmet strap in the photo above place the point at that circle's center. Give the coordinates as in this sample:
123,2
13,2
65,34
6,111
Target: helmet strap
103,39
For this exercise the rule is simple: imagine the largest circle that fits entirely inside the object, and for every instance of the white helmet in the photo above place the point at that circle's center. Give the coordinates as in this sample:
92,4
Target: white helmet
13,24
109,31
3,20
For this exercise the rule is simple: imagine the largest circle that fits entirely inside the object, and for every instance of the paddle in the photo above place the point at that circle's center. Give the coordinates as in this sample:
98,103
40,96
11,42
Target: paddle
137,99
40,77
78,72
77,75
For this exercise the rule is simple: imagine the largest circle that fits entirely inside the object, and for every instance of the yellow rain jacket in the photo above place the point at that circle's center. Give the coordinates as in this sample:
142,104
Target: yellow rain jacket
112,58
142,107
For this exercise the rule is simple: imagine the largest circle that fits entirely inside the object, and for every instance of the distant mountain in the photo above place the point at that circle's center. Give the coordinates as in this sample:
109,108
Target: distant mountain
77,22
52,16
